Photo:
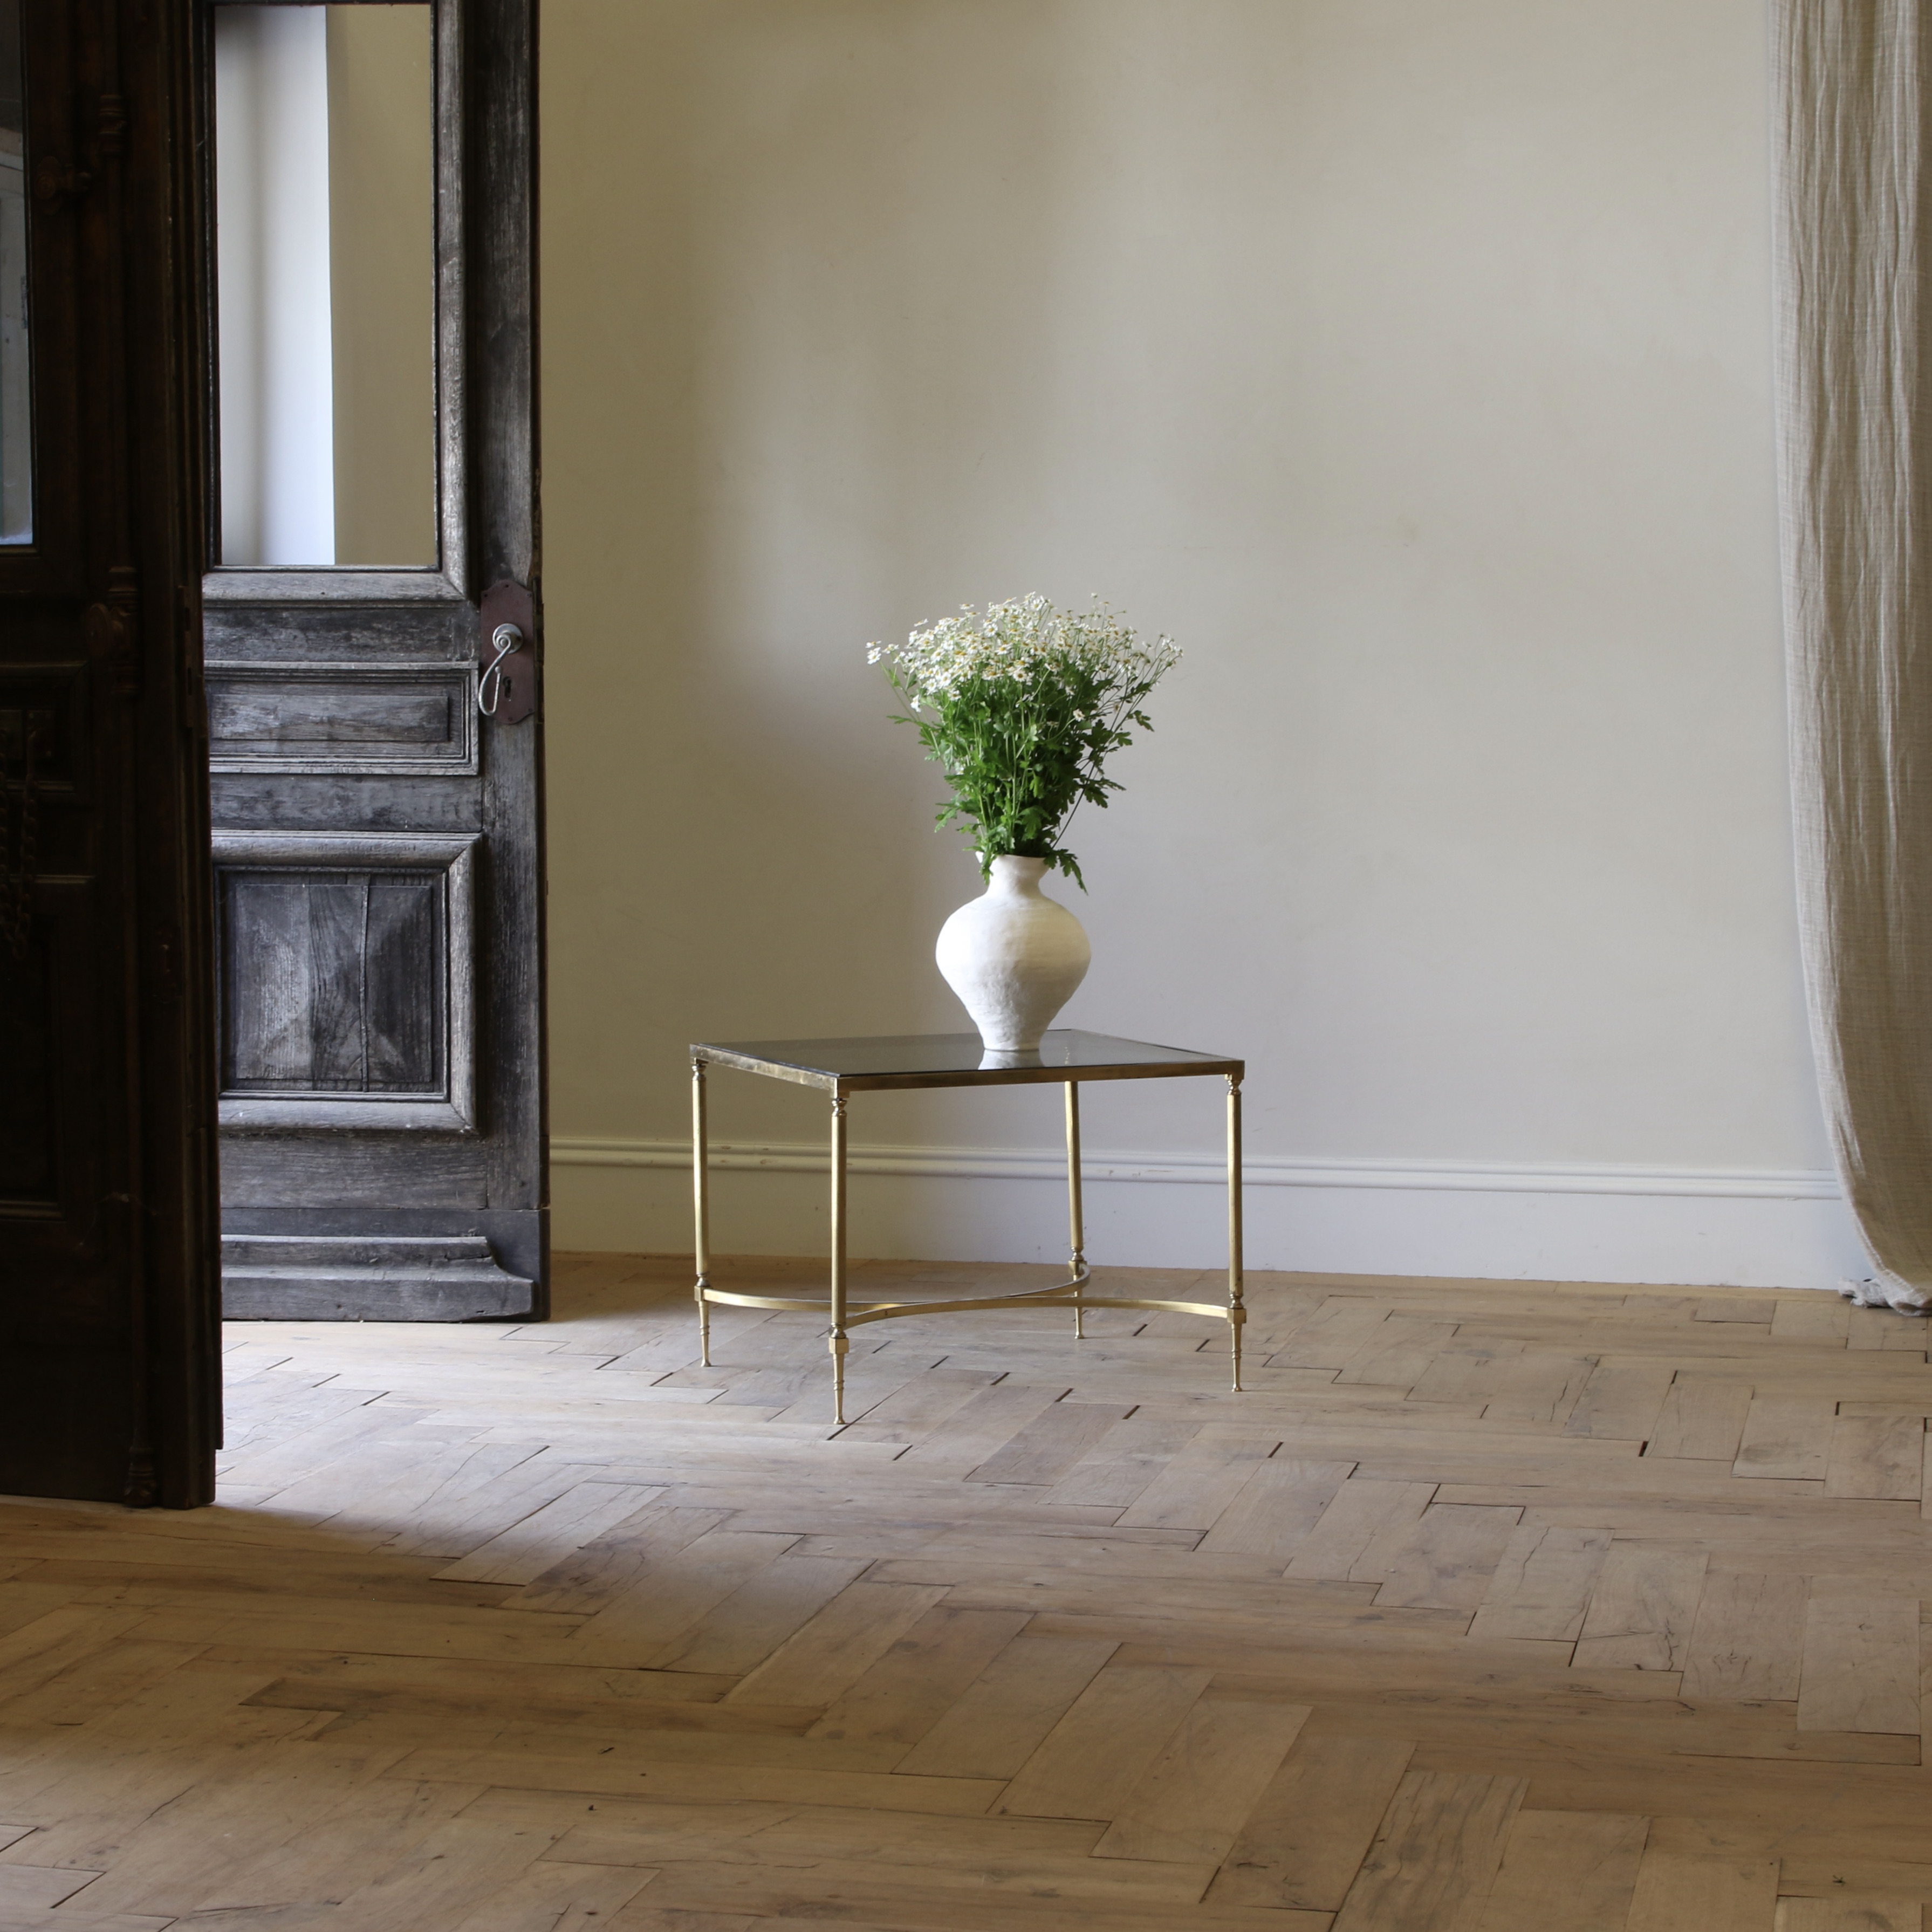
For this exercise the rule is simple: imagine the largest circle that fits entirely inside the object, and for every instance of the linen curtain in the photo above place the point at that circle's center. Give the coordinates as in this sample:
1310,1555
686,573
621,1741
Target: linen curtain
1856,492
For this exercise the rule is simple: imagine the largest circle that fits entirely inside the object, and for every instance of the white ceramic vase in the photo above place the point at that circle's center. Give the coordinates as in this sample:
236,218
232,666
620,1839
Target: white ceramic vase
1014,956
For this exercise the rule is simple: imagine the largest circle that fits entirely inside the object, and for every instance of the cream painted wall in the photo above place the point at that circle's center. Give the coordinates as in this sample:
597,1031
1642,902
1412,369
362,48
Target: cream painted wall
1410,365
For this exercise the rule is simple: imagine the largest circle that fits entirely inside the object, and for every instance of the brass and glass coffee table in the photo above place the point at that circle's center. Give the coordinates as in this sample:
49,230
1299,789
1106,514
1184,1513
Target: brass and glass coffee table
842,1067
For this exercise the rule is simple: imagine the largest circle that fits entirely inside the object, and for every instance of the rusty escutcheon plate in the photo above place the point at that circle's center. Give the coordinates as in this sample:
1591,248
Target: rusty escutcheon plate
508,603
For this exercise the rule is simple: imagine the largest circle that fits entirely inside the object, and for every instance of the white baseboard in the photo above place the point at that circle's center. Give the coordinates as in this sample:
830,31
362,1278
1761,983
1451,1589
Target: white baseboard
1747,1228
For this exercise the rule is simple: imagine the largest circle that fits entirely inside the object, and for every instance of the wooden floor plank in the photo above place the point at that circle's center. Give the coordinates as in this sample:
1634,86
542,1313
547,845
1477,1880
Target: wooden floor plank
1050,1445
34,1918
1398,1354
626,1774
1332,1336
1861,1665
39,1888
1276,1508
1200,1482
1003,1717
1679,1891
617,1562
980,1427
915,1408
1702,1418
232,1830
551,1895
458,1869
1642,1609
744,1627
89,1787
1361,1510
830,1653
319,1856
522,1552
1090,1760
49,1644
1873,1912
1787,1436
1447,1561
1876,1456
924,1673
871,1900
1621,1400
1303,1843
1190,1802
1473,1370
1542,1583
1734,1307
1573,1869
1434,1859
1121,1465
672,1590
1748,1640
1809,1319
1541,1385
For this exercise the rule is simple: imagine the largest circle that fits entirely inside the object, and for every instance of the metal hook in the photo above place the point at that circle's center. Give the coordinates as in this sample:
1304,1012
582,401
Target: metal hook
505,640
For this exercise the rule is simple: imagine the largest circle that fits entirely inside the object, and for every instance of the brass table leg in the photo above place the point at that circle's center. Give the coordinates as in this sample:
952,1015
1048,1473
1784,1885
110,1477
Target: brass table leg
1076,1228
838,1342
843,1317
700,1187
1237,1314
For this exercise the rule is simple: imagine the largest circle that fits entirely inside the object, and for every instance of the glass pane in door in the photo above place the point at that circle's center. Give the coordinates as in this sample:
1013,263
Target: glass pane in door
17,446
325,248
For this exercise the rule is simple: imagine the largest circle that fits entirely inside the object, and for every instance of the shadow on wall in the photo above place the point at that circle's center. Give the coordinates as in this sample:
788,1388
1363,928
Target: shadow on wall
813,384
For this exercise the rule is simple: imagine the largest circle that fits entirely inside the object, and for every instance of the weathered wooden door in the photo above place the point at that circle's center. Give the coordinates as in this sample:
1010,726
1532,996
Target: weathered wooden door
108,1356
372,627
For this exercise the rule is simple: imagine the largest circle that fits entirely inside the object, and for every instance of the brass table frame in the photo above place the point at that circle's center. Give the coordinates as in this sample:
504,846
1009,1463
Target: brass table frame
844,1315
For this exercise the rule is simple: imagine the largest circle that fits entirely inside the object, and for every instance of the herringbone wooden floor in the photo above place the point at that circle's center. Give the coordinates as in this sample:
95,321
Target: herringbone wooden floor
1489,1608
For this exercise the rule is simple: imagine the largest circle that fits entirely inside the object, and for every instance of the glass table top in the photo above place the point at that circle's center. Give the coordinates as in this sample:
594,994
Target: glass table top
957,1060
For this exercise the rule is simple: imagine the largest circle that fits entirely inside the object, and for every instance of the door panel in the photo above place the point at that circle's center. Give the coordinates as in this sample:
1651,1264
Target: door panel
378,848
346,968
339,979
108,1352
363,721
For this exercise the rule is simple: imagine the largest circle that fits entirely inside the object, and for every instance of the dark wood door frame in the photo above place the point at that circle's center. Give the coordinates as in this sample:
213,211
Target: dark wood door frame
109,1353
